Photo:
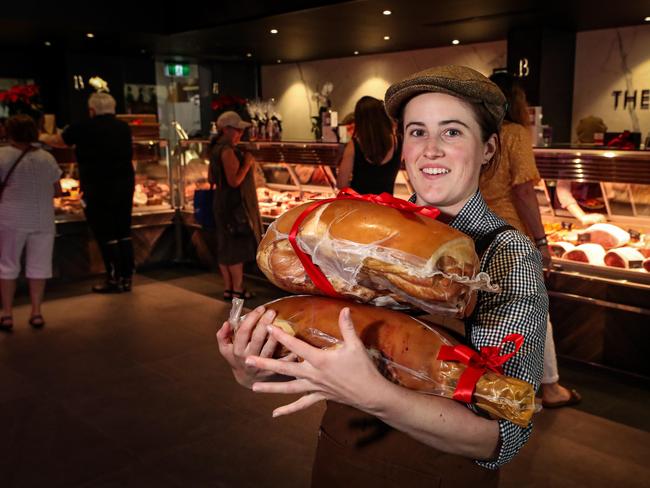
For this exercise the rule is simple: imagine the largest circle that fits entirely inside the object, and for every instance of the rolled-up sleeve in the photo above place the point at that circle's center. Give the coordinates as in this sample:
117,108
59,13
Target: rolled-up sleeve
520,307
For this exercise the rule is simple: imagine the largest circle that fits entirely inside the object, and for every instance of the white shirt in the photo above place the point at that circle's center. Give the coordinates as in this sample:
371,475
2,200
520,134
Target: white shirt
27,201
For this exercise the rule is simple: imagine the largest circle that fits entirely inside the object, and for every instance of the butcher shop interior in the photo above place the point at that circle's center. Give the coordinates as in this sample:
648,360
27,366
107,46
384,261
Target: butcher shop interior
168,170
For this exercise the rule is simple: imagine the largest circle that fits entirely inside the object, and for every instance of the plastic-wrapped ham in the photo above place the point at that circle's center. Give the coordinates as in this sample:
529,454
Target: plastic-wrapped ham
606,235
587,253
624,257
558,249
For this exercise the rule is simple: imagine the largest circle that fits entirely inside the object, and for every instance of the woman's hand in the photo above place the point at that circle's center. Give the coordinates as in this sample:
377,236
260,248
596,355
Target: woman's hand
251,338
344,373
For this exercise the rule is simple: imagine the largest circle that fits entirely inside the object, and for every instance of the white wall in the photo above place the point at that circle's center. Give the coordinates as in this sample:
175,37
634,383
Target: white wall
292,85
608,60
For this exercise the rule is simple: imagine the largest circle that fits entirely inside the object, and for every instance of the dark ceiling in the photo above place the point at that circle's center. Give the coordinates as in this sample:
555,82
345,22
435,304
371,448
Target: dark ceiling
308,29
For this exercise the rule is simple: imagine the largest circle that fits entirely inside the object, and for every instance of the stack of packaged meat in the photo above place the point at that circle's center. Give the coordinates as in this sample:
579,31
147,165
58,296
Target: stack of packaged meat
603,245
388,255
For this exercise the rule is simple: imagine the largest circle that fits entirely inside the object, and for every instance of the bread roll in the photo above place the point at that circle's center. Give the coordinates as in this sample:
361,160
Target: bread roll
405,350
377,254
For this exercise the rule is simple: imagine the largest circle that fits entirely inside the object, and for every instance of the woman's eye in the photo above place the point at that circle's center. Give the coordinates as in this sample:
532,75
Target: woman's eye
452,132
417,132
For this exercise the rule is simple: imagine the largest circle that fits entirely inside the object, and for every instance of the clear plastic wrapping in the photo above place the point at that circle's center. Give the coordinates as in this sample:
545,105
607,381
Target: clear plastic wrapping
405,351
376,255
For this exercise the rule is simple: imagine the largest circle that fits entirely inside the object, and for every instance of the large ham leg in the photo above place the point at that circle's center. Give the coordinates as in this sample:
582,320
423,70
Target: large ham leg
405,350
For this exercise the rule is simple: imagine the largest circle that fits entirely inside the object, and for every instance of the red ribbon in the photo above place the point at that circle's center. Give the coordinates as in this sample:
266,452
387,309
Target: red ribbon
489,358
313,271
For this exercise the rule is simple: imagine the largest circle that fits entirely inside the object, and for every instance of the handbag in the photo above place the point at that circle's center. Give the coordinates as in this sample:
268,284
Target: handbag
3,184
203,208
236,222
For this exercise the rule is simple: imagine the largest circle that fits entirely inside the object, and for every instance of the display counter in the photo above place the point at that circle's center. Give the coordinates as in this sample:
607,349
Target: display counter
75,252
600,299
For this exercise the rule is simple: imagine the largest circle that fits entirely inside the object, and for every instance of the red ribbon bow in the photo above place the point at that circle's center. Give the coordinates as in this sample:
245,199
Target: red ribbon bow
386,199
489,358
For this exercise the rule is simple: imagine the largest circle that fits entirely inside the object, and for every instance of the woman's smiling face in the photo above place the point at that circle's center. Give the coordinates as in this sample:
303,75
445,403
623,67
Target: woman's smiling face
443,150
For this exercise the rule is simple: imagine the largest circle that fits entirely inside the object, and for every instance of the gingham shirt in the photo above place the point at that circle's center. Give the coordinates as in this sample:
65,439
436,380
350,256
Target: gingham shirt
513,263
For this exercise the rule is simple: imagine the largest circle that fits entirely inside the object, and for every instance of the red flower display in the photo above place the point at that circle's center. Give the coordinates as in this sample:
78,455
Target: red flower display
22,99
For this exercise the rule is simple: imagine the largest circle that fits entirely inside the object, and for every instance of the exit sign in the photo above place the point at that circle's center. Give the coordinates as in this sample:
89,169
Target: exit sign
177,69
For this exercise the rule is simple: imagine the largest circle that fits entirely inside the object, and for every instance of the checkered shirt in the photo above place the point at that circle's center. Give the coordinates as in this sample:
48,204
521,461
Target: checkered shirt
513,263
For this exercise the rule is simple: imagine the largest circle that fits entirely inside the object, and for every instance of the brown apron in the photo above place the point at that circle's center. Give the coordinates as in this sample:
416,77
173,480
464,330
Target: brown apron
357,449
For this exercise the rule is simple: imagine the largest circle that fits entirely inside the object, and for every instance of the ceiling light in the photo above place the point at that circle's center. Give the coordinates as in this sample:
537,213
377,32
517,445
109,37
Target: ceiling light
48,43
143,51
274,31
279,61
90,35
386,38
455,42
647,19
249,55
356,52
387,12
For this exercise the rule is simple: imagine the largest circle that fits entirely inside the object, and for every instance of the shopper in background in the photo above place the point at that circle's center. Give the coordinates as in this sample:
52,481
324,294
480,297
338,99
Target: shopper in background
509,190
236,211
371,160
103,147
26,216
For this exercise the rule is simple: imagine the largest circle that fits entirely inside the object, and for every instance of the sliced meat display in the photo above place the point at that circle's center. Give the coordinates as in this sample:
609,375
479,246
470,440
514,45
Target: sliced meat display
624,257
559,248
607,235
646,265
587,253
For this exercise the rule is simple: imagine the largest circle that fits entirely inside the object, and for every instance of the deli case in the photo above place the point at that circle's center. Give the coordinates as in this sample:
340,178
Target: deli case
76,253
598,287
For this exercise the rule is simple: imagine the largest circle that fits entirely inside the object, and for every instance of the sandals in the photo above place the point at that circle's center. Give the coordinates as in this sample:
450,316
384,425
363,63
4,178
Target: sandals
6,323
227,295
37,321
574,399
245,295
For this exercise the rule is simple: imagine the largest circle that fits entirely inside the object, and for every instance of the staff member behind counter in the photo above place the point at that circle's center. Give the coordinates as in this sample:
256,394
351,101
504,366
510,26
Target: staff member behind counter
103,147
450,117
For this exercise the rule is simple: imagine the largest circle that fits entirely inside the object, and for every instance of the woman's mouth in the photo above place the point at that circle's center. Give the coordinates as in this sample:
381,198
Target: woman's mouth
435,171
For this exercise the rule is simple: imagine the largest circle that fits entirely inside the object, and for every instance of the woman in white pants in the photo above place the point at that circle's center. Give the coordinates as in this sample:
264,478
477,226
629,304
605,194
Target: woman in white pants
26,216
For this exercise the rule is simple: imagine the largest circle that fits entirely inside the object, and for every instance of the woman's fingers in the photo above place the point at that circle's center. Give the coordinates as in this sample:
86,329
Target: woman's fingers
280,367
300,404
224,338
260,333
269,347
301,348
243,334
295,386
346,327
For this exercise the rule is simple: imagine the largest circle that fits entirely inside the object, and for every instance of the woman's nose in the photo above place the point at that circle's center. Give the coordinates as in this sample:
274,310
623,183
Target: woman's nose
433,149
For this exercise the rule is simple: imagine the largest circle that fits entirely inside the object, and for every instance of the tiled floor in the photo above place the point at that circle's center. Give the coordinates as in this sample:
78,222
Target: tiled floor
129,390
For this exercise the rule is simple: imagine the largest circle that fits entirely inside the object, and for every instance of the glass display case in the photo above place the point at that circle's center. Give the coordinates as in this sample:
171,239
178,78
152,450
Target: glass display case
615,184
287,173
152,180
600,295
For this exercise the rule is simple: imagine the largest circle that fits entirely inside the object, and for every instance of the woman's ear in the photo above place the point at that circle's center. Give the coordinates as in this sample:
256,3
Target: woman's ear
490,148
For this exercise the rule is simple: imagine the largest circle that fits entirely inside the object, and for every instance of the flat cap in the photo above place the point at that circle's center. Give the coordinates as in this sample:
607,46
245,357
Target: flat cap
459,81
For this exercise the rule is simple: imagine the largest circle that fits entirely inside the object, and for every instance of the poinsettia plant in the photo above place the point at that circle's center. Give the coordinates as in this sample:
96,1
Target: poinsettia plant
229,102
22,99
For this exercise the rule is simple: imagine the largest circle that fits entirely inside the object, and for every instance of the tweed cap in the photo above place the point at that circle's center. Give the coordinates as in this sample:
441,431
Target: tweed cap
459,81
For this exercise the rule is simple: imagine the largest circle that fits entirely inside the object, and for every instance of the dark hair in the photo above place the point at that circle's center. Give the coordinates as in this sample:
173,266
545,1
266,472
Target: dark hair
21,128
486,123
517,111
373,129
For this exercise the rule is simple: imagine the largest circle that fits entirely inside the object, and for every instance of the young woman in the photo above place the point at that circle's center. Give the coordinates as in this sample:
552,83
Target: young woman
371,159
236,212
375,432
